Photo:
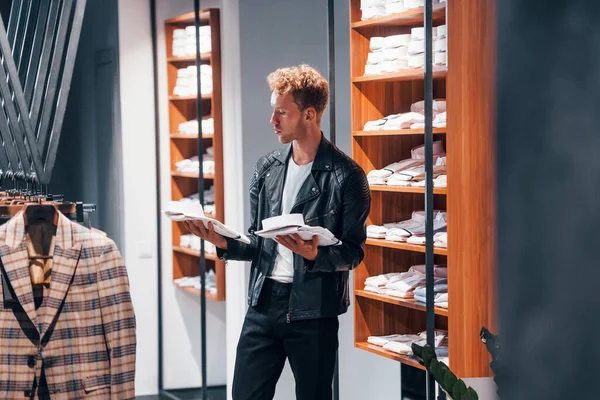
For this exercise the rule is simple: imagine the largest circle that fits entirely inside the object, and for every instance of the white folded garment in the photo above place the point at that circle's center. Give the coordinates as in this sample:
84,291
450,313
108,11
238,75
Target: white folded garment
191,127
373,289
389,66
396,7
440,45
371,3
210,209
401,347
178,33
371,69
439,270
289,224
440,59
396,53
416,61
440,239
418,33
442,31
376,231
438,106
376,125
397,235
395,181
418,152
402,121
380,280
376,43
178,211
441,181
440,120
377,181
394,41
388,170
375,58
383,340
373,12
416,47
410,4
420,240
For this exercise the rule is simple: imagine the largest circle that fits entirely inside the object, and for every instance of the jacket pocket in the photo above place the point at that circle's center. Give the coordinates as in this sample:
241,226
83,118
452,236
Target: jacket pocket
329,213
96,382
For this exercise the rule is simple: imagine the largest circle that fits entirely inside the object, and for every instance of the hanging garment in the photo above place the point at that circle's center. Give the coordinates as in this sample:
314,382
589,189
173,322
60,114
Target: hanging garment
80,342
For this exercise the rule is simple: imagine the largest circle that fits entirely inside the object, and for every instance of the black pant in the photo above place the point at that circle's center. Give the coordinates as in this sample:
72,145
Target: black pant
267,339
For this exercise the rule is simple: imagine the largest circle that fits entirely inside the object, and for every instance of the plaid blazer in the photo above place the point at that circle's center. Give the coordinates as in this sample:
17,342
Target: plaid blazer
83,334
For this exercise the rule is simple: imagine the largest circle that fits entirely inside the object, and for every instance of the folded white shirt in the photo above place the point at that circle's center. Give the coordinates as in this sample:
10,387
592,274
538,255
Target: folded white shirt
416,240
441,31
441,181
440,239
438,106
373,289
441,44
396,7
402,121
439,59
376,231
397,235
418,152
373,12
191,127
375,58
289,224
372,69
383,340
418,33
392,41
416,61
380,280
389,66
376,43
416,47
396,53
377,181
178,211
371,3
390,169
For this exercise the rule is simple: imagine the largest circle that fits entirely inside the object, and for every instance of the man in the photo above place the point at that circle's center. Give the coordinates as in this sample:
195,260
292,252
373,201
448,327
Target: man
297,289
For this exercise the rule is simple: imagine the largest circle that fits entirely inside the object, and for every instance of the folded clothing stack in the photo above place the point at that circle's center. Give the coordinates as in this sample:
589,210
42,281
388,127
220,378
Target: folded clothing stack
210,280
192,164
404,51
184,41
410,170
209,200
411,230
414,119
402,284
440,292
187,81
380,8
192,241
402,343
191,127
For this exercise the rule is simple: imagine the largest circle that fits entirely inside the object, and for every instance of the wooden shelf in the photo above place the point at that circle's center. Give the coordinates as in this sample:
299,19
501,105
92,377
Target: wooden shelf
436,131
196,292
405,75
189,137
406,189
380,351
410,17
194,253
185,98
404,246
182,146
408,303
189,59
189,18
194,175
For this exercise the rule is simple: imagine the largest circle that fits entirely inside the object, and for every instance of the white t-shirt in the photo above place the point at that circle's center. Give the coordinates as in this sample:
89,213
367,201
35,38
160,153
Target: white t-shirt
283,271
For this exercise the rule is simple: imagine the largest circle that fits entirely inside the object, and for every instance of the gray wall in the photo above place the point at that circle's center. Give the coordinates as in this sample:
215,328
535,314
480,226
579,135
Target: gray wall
88,166
289,33
548,191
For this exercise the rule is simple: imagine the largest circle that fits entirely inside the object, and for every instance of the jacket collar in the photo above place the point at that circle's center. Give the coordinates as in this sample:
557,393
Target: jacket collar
323,159
13,232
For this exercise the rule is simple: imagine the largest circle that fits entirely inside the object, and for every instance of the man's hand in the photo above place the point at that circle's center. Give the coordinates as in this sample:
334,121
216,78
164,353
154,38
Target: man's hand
208,234
308,249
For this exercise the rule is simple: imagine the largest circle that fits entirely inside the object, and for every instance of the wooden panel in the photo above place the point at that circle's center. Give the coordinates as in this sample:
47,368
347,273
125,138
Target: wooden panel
194,253
412,17
188,60
409,303
380,351
190,175
194,97
471,183
188,18
405,75
404,246
196,292
184,136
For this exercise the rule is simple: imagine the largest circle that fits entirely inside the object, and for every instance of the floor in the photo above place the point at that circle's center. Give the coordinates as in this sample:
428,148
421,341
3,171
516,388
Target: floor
214,393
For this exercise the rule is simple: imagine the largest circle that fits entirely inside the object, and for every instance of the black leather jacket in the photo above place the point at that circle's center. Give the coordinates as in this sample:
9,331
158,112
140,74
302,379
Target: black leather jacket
335,196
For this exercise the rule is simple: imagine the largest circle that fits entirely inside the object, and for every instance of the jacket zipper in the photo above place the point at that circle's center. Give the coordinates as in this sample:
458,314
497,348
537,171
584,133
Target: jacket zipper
287,318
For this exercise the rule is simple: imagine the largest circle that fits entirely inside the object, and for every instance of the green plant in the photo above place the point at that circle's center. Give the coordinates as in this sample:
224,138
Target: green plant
453,386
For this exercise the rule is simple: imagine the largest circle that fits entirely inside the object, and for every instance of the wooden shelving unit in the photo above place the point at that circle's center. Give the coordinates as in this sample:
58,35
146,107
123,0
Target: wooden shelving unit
469,150
183,146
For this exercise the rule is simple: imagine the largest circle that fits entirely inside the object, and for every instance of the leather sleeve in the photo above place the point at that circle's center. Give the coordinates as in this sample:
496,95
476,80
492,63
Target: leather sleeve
356,203
237,250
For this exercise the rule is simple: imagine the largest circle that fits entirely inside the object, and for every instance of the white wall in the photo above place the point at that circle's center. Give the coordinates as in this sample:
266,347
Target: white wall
139,182
181,311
